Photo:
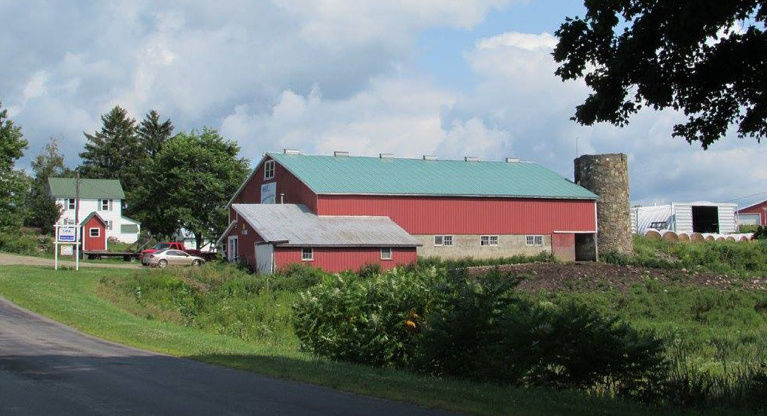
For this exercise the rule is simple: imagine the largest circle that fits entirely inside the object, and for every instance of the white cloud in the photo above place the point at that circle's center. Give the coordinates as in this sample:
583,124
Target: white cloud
527,41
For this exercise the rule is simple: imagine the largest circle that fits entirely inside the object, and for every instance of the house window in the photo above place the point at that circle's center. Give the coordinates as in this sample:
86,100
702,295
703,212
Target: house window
71,203
106,204
307,254
443,240
94,232
269,169
109,225
488,240
534,240
386,253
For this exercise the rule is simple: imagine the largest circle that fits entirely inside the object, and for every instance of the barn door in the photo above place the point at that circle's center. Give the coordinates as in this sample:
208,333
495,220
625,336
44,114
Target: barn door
231,249
264,258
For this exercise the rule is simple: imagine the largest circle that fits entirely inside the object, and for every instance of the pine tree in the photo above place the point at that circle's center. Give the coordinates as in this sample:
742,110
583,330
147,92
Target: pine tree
42,211
13,183
113,151
152,134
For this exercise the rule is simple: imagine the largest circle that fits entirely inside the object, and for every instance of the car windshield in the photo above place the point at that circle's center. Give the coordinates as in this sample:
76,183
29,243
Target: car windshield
161,246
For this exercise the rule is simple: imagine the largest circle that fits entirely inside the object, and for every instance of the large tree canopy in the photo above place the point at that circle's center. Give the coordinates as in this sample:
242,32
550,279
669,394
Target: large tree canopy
13,183
707,58
114,150
188,184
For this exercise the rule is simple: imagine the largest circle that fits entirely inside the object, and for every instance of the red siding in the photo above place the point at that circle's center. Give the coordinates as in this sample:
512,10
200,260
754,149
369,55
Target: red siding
760,208
296,192
246,243
445,215
345,258
563,246
94,243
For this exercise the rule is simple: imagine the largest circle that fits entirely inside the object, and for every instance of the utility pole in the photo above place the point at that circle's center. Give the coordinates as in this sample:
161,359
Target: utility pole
78,234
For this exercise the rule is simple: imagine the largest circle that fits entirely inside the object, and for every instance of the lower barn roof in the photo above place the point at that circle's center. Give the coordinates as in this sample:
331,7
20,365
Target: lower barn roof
295,225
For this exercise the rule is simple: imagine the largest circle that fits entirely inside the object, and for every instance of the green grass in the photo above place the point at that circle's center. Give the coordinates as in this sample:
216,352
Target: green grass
744,259
86,300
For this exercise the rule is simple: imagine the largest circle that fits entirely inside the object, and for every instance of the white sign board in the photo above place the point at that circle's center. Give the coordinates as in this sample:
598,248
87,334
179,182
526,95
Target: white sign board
67,250
68,234
268,193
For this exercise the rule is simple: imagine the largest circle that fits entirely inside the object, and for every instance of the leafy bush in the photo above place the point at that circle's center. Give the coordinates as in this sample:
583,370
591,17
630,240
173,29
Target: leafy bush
760,233
485,331
25,243
371,321
478,328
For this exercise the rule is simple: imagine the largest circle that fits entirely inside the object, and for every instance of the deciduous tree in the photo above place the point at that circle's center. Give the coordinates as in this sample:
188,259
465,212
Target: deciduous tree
707,58
13,183
42,210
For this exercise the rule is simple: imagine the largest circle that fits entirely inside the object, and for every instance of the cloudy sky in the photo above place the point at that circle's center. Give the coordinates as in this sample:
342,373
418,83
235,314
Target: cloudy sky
448,77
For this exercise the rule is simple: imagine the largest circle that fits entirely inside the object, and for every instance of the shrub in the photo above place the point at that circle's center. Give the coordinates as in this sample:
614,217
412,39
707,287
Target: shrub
372,321
25,243
485,331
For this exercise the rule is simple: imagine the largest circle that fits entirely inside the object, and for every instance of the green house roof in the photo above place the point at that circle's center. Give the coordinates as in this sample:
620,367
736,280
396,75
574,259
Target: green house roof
395,176
89,188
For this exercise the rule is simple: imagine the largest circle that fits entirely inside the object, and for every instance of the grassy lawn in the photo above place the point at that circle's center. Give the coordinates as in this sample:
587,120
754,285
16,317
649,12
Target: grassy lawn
78,299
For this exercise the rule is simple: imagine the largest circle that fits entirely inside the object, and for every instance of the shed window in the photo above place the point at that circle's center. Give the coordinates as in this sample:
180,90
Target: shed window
534,240
307,254
94,232
488,240
443,240
269,169
386,253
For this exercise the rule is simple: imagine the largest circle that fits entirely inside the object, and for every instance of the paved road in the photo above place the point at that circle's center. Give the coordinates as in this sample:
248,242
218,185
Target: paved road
7,259
47,368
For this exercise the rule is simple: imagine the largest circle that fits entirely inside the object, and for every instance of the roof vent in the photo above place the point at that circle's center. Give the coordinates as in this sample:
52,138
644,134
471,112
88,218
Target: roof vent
291,151
471,159
429,157
339,153
512,159
386,155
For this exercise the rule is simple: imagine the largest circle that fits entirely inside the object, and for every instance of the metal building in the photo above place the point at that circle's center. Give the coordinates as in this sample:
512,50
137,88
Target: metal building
686,217
450,208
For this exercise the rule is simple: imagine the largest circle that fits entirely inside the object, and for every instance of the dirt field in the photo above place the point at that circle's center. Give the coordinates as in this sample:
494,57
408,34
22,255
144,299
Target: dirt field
599,276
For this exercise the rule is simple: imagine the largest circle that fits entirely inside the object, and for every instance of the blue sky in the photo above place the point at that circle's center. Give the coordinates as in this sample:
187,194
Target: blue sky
455,78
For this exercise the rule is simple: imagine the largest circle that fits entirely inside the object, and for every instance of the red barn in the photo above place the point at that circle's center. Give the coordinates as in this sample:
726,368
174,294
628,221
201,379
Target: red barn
93,231
757,211
449,208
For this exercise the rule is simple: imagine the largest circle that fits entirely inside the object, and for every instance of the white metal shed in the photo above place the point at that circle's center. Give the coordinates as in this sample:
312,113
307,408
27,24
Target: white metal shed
687,217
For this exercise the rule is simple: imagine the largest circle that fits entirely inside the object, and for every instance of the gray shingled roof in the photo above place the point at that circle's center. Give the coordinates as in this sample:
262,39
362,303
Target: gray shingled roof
296,225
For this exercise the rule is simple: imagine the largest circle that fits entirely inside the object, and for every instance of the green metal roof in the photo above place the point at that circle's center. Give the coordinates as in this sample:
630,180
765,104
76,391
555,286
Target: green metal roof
395,176
91,215
89,188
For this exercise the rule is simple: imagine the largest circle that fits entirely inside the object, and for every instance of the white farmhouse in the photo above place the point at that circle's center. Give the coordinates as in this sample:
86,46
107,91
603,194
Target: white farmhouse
102,196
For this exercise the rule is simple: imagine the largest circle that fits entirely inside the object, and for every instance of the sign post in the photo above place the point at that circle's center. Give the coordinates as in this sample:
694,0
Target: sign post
66,237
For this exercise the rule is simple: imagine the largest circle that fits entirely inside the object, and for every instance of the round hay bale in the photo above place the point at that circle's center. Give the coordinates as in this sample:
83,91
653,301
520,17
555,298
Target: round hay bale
720,238
683,237
696,237
670,236
710,237
652,235
730,238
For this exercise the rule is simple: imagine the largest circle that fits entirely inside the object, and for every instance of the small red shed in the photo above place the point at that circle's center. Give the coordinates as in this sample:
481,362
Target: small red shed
270,237
93,232
758,210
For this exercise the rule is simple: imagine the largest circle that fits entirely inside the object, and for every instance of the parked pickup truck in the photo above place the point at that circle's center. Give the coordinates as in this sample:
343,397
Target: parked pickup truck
174,245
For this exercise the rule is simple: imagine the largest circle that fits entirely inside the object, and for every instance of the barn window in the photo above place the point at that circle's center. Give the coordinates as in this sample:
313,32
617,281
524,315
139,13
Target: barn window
386,253
307,254
94,232
488,240
534,240
443,240
269,169
71,203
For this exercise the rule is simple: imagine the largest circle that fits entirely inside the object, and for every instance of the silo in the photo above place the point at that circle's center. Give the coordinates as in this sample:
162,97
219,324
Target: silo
607,176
